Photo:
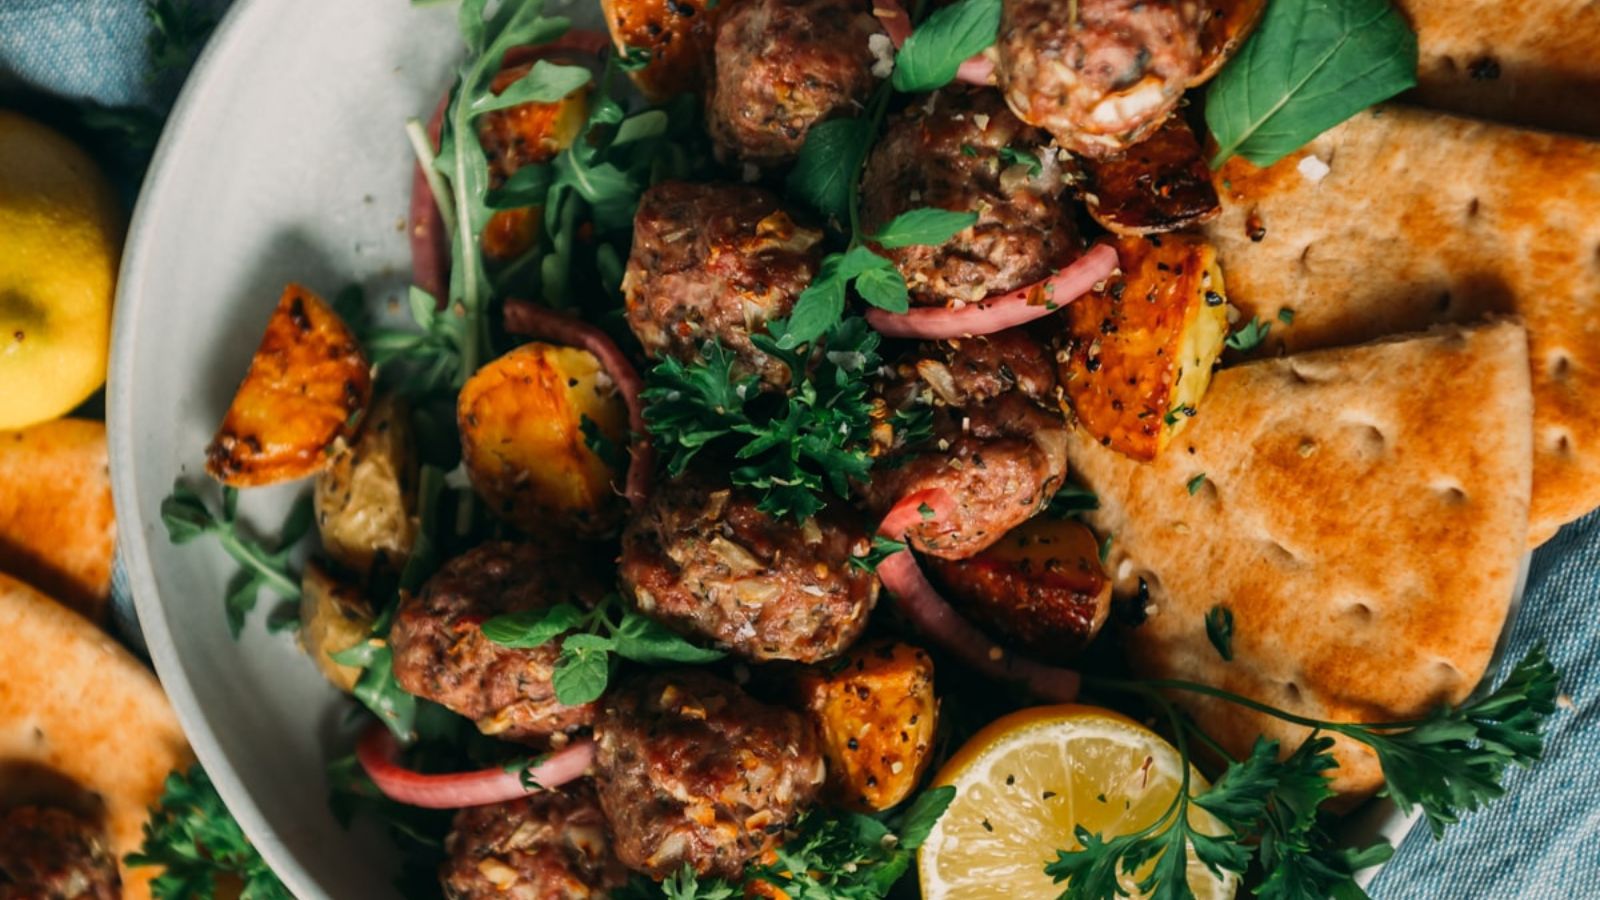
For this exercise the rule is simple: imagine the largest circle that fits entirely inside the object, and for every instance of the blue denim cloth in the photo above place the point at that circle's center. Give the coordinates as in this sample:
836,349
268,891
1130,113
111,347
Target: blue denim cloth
1540,842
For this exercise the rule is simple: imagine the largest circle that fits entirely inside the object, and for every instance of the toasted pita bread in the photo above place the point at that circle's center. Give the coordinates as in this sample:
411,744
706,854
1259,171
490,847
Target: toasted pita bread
57,530
1363,527
1424,218
81,722
1537,67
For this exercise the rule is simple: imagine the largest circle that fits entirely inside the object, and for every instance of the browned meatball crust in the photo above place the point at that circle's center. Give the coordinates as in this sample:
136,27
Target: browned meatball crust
441,653
51,854
998,446
546,846
1103,81
715,262
692,770
950,158
704,560
783,66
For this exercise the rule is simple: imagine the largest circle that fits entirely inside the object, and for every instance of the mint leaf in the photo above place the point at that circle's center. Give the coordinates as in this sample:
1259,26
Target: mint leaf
534,627
828,163
884,288
918,820
1310,65
936,49
925,226
643,639
582,672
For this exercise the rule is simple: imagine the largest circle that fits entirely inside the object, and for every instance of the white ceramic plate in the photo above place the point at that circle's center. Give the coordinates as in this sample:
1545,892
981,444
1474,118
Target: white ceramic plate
283,161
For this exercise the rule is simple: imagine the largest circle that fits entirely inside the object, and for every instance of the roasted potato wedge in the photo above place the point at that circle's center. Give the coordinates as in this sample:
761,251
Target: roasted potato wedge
523,441
1225,25
366,498
1042,586
523,135
876,713
677,35
306,388
1158,185
1140,351
334,616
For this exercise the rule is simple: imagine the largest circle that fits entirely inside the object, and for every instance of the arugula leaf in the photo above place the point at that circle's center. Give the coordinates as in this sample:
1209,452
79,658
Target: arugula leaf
1219,630
546,82
927,226
187,518
829,164
1310,65
935,51
192,836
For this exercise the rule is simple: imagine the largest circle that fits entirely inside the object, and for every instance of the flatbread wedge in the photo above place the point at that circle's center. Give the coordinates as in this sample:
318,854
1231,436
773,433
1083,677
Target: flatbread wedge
1536,67
1360,514
1401,218
57,528
82,723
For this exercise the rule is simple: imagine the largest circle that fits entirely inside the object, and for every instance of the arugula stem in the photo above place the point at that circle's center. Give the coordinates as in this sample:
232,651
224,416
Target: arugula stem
258,560
426,158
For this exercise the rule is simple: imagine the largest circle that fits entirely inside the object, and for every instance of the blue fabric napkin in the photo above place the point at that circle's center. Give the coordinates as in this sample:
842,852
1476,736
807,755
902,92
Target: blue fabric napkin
1540,842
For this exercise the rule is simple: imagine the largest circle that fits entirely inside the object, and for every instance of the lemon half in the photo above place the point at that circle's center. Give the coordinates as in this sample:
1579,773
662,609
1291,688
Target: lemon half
60,238
1024,782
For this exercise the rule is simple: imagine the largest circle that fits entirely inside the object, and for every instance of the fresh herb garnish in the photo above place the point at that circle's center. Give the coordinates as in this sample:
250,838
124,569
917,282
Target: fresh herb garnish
1011,156
881,549
1219,631
832,856
936,49
1310,65
1071,502
178,29
829,161
1447,764
1286,316
789,448
592,638
1249,336
188,518
195,840
1193,484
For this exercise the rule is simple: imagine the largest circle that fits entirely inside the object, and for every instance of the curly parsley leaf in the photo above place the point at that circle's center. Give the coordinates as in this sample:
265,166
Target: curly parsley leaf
192,836
935,51
1310,65
789,448
188,518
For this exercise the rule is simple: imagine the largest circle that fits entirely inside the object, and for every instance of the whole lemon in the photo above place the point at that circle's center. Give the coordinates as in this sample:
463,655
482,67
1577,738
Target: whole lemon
60,238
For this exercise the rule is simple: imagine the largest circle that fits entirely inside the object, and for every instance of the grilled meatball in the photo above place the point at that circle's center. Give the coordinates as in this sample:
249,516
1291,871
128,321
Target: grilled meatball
51,854
692,770
948,154
441,653
1104,80
704,560
998,445
715,262
546,846
783,66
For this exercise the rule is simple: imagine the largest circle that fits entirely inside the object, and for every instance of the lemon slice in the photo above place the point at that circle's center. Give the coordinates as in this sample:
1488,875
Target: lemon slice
1023,784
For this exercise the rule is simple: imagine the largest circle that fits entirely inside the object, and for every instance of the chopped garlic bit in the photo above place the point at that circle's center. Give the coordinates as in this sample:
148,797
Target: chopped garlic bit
1313,168
882,55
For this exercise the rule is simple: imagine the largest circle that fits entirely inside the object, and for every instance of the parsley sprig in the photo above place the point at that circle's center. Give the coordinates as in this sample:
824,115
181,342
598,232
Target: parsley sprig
791,448
591,643
188,518
831,856
196,841
1447,764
